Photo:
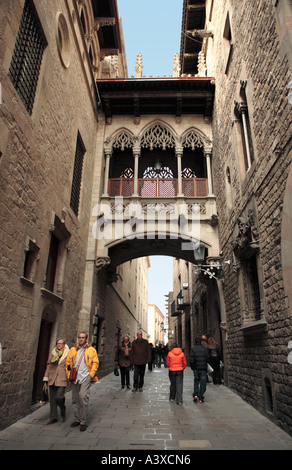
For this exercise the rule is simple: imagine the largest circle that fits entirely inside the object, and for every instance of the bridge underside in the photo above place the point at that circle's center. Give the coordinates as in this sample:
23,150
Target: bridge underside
137,248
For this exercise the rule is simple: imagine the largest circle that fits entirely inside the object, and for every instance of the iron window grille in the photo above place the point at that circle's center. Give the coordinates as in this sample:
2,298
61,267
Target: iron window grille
77,175
27,56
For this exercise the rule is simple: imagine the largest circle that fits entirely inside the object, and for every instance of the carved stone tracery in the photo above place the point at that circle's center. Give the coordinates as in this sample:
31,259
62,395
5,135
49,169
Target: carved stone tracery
193,140
123,140
157,136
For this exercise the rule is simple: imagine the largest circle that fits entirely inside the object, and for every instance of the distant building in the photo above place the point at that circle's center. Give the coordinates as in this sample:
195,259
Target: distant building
155,325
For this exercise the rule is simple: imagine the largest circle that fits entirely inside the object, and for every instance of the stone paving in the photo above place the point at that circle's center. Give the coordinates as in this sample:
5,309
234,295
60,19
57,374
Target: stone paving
120,419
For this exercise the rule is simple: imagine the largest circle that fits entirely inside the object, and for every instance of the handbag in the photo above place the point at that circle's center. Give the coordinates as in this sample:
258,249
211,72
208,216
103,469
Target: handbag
116,371
73,374
74,370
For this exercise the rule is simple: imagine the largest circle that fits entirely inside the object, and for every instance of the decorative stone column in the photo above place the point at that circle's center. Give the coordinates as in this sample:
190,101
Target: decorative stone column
108,154
179,154
208,153
241,108
136,153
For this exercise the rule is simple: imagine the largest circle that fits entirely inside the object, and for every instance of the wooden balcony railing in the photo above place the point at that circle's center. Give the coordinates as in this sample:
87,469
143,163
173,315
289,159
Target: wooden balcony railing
158,187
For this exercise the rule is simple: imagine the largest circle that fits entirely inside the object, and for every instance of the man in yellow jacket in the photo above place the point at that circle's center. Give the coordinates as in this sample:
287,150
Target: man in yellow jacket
82,357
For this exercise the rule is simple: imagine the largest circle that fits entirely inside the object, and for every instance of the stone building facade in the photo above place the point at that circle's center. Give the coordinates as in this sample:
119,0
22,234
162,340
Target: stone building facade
155,325
50,164
246,47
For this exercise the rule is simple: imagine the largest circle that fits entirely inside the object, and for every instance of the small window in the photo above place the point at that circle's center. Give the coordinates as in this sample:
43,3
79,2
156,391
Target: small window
228,189
77,175
57,256
241,111
98,333
249,288
30,259
227,42
52,263
255,297
27,56
63,40
82,20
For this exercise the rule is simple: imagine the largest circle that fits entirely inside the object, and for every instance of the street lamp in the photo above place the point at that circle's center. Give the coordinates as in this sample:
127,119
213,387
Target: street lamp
199,252
180,299
214,267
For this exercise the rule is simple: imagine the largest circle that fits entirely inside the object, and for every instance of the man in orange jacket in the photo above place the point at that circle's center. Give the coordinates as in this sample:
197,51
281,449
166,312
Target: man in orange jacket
176,363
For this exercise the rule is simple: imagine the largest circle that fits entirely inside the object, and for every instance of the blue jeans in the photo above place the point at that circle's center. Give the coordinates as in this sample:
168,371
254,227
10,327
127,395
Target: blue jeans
200,381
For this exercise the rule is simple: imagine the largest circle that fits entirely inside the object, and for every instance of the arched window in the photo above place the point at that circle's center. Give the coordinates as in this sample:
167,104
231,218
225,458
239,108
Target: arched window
82,20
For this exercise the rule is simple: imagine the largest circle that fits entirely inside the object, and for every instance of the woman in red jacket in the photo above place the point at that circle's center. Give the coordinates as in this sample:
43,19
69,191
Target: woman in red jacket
176,363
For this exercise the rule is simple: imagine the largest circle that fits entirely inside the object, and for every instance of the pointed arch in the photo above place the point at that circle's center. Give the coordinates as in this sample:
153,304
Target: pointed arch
121,139
194,138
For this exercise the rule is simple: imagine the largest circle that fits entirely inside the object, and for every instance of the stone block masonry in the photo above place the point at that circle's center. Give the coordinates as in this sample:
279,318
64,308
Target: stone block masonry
257,361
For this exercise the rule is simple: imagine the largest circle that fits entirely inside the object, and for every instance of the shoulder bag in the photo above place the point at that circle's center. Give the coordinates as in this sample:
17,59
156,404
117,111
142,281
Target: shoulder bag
74,370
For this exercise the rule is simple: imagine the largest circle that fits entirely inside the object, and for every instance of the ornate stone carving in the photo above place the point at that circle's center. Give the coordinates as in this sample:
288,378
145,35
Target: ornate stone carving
122,140
101,22
176,65
246,242
213,221
202,68
192,140
202,33
139,65
157,136
114,67
101,262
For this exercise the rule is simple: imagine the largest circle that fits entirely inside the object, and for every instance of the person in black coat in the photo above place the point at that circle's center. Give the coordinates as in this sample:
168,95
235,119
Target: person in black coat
199,363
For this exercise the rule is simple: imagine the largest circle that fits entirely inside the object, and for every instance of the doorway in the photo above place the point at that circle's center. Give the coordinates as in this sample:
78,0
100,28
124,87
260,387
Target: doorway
41,359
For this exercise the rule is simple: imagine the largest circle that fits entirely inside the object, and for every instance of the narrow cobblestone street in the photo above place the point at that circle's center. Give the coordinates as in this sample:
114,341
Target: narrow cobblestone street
120,419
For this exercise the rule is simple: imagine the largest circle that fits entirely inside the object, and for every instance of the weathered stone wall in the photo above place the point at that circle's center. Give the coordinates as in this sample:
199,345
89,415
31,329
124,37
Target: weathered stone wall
36,169
256,59
37,154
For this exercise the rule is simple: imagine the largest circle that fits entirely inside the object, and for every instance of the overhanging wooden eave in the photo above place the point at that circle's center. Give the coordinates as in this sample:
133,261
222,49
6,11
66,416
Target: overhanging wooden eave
176,96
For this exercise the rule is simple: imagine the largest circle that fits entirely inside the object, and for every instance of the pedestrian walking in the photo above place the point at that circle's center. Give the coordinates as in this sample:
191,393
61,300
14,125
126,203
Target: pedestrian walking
152,357
83,361
165,352
198,363
122,358
158,355
55,377
176,363
214,360
140,356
